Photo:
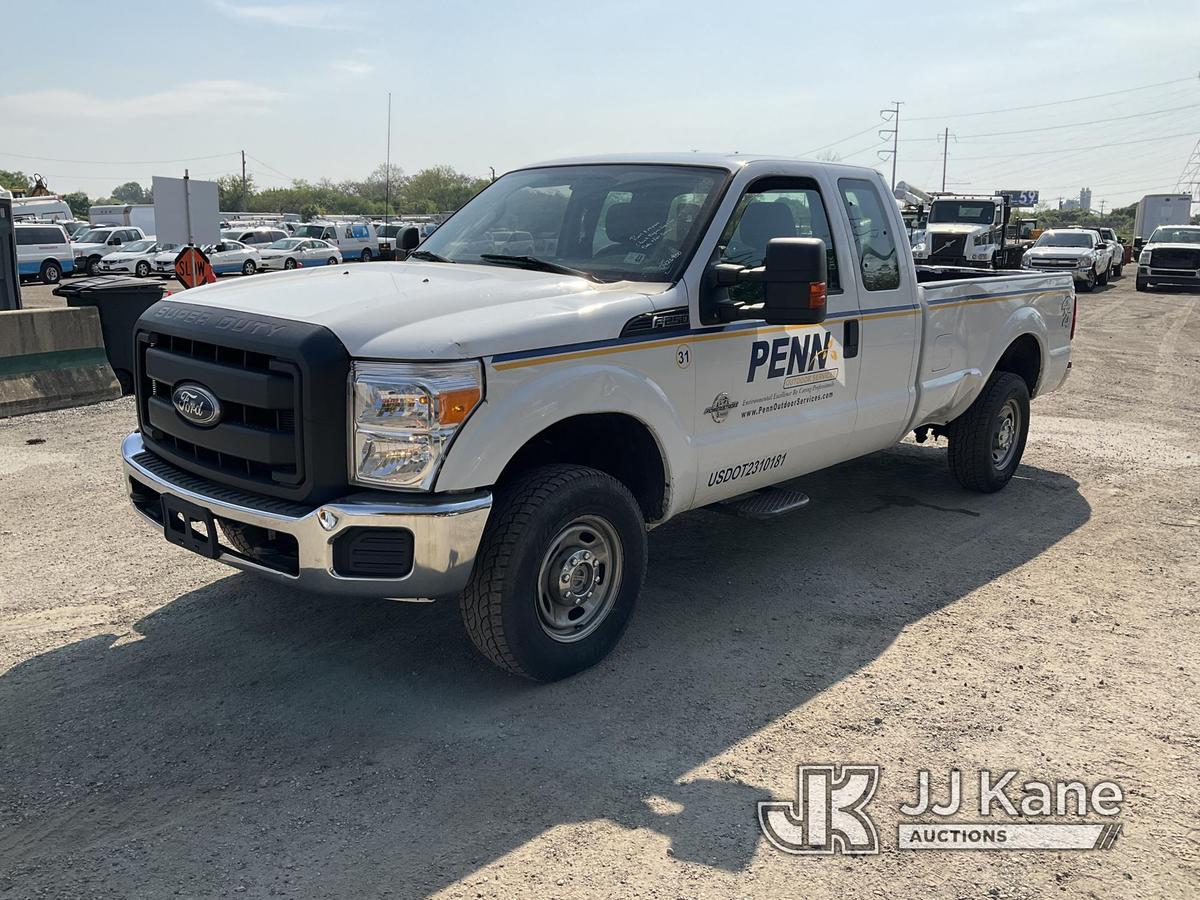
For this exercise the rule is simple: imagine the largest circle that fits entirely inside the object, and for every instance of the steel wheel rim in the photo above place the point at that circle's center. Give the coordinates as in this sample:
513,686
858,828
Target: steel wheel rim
1004,440
579,579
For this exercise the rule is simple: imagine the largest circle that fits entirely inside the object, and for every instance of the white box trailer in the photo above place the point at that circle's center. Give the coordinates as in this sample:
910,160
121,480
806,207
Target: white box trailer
139,215
1159,209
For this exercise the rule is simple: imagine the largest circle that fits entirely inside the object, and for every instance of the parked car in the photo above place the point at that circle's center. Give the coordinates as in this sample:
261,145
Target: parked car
1083,253
1117,259
136,258
226,258
255,235
96,243
291,253
356,240
515,424
1171,256
43,251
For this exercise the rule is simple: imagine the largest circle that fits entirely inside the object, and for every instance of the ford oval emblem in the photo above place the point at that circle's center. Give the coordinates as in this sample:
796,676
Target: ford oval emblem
196,404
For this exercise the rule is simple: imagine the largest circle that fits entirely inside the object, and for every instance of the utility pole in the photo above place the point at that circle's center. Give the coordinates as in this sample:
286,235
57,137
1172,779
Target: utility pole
1102,202
387,166
945,156
244,181
891,115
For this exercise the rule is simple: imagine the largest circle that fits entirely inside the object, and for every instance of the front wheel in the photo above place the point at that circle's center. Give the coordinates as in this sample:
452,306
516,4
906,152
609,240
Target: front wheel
93,266
1141,284
142,269
1090,283
988,440
558,572
289,263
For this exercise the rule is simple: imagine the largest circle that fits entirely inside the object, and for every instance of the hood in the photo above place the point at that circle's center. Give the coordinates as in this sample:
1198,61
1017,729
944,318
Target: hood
1172,245
418,310
1062,252
954,227
267,251
123,257
86,248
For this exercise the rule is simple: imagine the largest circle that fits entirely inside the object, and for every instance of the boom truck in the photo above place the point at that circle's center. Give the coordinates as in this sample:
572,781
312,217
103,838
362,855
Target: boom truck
976,230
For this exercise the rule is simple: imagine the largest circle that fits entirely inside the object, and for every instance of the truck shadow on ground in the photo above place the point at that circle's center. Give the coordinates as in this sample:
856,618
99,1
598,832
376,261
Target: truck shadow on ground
262,738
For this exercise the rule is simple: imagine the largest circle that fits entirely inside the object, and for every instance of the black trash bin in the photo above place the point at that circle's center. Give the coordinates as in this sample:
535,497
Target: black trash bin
120,300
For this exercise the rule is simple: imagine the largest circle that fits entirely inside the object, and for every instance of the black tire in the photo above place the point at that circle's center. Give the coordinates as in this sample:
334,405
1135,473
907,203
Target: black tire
333,261
289,263
1102,279
502,607
1090,284
142,269
51,272
975,435
1116,270
249,267
1141,284
366,254
92,266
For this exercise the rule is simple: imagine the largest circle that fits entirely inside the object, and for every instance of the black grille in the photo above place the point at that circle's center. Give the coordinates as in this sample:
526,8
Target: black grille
947,246
282,391
1175,258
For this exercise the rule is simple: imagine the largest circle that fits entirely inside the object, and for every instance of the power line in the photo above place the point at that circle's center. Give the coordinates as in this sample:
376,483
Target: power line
109,162
1164,137
1157,112
272,168
842,141
988,112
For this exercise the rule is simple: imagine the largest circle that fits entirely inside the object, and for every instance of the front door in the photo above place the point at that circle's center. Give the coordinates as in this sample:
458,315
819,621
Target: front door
777,401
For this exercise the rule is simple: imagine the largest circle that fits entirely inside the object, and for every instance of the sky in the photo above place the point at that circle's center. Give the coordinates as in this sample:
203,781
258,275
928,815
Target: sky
137,89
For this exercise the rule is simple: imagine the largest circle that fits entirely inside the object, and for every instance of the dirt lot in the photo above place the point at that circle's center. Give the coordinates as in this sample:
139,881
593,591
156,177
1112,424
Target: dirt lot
170,728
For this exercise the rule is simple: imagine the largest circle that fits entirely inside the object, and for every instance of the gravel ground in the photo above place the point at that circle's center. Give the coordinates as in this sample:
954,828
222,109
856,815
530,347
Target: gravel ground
170,728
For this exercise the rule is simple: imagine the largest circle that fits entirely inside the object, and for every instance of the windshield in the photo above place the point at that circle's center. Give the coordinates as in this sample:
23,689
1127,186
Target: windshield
1164,235
312,231
616,222
1064,239
285,244
139,246
95,236
974,212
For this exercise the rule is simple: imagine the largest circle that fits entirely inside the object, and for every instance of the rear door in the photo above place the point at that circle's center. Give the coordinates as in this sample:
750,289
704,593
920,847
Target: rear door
774,401
888,325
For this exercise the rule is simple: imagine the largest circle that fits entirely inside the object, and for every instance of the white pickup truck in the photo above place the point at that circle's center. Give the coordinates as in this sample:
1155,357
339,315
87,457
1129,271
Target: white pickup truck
504,427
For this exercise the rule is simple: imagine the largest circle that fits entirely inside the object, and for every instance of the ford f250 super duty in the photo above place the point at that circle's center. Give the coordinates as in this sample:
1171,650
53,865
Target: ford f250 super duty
585,350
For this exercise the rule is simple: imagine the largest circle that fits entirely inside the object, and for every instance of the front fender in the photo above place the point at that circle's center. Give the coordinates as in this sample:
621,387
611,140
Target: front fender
522,403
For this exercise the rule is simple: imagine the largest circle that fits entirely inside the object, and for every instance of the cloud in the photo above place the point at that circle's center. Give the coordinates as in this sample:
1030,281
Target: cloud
294,15
185,100
352,67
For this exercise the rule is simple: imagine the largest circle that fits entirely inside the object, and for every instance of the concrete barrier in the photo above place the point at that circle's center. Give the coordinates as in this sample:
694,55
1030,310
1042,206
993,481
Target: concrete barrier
51,359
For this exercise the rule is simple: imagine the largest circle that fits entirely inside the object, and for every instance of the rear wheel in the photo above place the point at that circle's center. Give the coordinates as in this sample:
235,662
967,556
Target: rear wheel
142,269
249,267
988,440
558,572
51,272
366,254
333,261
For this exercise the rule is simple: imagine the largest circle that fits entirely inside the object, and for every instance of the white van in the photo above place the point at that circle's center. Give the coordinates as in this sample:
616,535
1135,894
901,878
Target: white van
356,240
43,251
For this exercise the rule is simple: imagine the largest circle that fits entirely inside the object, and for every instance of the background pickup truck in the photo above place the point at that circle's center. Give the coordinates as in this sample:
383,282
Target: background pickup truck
502,420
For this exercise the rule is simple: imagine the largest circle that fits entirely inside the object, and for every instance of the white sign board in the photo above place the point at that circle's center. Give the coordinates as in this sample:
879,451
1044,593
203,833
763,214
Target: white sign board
186,210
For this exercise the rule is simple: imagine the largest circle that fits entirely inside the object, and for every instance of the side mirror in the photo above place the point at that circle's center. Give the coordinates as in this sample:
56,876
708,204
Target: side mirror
114,242
409,238
794,276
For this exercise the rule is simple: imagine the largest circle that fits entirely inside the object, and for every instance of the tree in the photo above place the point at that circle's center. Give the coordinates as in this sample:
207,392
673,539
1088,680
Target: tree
829,156
14,181
131,192
229,187
439,189
79,203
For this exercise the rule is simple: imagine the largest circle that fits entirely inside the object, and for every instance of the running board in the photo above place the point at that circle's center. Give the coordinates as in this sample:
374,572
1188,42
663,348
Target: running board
765,504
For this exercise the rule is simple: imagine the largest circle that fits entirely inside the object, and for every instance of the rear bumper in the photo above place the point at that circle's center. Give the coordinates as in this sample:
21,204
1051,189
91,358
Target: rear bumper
298,543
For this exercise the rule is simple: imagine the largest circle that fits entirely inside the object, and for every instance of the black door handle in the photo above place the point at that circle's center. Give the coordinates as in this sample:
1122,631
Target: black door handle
850,339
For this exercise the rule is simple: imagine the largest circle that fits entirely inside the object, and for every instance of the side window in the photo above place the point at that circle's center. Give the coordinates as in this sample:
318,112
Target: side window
360,231
771,208
349,232
26,236
872,232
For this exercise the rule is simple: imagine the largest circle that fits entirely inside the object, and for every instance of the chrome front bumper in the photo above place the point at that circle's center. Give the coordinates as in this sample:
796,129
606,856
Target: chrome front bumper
446,532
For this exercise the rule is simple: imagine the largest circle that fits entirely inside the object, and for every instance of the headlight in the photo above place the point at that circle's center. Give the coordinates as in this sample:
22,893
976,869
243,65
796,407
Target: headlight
405,415
919,248
1026,261
1144,257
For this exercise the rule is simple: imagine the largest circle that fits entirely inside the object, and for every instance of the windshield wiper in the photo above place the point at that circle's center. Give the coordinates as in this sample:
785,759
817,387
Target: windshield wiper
428,256
538,265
